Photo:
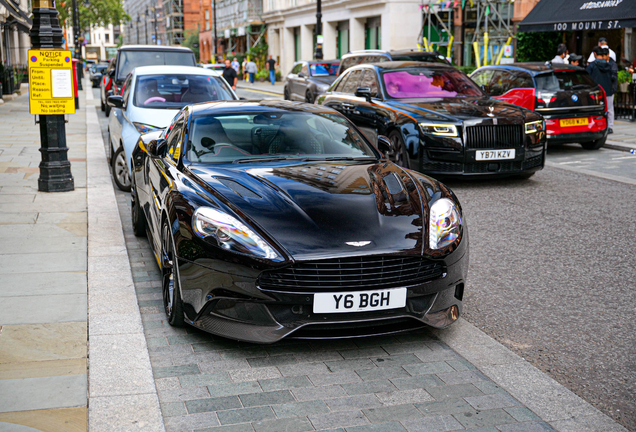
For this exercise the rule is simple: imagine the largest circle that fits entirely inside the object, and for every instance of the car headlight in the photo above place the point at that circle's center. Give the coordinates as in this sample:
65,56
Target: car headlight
439,129
144,128
445,224
535,126
231,233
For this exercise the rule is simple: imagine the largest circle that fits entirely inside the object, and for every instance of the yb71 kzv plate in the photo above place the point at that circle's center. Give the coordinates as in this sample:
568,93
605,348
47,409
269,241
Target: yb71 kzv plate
359,301
486,155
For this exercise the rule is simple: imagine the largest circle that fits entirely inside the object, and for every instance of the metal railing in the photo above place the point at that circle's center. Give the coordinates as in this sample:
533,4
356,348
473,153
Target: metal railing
625,104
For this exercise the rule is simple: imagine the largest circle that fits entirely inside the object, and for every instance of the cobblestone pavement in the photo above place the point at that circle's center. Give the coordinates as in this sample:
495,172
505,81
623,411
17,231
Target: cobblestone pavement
410,382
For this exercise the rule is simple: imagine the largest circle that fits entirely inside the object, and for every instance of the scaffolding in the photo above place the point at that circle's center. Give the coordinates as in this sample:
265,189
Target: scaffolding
174,21
491,19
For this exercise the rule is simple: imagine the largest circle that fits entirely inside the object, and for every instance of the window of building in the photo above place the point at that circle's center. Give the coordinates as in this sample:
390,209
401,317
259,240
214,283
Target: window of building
207,19
107,38
373,33
297,55
342,38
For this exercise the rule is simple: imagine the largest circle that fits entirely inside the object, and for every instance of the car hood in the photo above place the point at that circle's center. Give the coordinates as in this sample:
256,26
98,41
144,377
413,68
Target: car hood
320,209
461,109
160,118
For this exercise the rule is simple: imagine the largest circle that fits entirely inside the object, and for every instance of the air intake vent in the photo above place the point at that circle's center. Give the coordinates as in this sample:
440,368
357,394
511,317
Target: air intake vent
238,188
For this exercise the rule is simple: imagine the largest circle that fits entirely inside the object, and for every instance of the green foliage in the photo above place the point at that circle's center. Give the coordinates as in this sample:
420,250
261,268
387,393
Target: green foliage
262,74
466,69
98,13
624,77
192,41
538,46
258,54
279,76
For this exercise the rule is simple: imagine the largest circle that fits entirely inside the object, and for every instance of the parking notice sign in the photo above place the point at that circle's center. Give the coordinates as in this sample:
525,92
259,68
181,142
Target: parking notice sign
51,88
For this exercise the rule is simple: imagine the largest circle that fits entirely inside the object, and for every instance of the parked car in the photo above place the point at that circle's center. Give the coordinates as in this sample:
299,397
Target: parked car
573,105
97,72
132,56
274,219
308,79
216,66
438,120
151,98
106,86
377,56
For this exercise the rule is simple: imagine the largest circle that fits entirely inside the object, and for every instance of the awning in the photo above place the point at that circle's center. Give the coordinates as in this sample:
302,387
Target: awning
19,16
569,15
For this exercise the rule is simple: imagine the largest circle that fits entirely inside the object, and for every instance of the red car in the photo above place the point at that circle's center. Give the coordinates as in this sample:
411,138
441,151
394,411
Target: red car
573,105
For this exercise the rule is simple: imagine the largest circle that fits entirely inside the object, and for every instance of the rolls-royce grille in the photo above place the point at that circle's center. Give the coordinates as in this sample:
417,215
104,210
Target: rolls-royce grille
353,273
494,136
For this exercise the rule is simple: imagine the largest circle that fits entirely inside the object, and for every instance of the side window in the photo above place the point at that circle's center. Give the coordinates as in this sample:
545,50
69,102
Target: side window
126,92
174,138
368,80
341,83
296,68
305,69
483,77
521,80
499,83
375,59
352,82
345,64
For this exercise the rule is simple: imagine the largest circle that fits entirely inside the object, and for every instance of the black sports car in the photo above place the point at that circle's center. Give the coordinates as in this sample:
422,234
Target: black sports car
278,219
438,120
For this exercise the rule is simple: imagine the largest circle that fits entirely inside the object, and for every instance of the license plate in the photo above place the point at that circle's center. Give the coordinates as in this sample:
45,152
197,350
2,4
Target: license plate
495,154
359,301
574,122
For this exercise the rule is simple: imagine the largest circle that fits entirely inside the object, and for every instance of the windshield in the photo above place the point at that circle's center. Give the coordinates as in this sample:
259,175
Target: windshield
421,57
428,83
565,80
128,60
100,68
274,135
324,69
174,91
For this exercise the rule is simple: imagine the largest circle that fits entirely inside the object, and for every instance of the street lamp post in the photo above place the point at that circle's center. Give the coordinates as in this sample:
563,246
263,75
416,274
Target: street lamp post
318,53
215,42
77,42
55,168
146,24
154,12
138,22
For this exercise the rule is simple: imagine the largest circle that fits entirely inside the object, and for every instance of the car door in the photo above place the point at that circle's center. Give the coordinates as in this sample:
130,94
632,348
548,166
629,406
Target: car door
517,88
118,117
291,79
302,81
365,113
344,102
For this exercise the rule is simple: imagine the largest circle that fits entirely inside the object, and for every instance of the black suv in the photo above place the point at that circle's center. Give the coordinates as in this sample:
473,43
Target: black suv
132,56
378,56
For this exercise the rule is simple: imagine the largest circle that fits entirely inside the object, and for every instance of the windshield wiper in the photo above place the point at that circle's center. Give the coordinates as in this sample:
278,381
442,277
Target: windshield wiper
263,159
333,158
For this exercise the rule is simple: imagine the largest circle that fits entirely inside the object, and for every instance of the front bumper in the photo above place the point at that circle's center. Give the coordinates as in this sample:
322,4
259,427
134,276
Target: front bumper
234,306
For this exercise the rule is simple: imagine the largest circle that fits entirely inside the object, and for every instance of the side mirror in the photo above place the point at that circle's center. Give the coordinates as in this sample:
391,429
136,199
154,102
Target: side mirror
301,75
364,92
157,148
384,144
111,73
115,101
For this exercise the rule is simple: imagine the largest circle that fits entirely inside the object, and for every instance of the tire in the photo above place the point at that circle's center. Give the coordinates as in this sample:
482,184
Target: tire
120,170
102,104
309,97
286,93
111,153
107,111
399,155
171,293
137,216
594,145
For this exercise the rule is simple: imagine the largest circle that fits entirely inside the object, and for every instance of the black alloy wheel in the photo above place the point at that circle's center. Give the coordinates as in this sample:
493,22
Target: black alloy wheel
398,155
101,102
137,216
309,97
107,111
172,303
120,170
111,152
286,93
594,145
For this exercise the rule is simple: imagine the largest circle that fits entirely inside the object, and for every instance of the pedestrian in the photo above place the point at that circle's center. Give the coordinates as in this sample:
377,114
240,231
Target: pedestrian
251,70
562,52
601,72
610,99
271,65
236,65
244,69
229,73
602,42
575,59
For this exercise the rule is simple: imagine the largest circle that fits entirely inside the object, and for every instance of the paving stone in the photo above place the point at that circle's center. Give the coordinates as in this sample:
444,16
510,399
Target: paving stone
212,404
245,427
248,353
192,421
400,397
488,387
254,374
223,365
460,365
433,424
300,424
285,383
172,409
474,419
155,342
454,391
364,352
487,402
392,413
352,403
171,383
171,371
29,394
245,415
182,394
200,380
298,409
321,392
526,427
342,377
186,339
353,364
195,358
369,387
396,360
416,382
522,414
234,388
429,355
272,361
403,348
317,356
428,368
333,420
303,369
382,427
123,414
287,347
382,373
266,398
448,406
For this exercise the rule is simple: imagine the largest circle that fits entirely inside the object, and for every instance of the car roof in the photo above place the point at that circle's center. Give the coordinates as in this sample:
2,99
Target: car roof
167,69
153,48
535,68
404,65
249,107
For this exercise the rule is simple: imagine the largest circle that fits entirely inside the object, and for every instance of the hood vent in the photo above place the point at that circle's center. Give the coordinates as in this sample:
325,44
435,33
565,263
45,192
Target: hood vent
393,184
238,188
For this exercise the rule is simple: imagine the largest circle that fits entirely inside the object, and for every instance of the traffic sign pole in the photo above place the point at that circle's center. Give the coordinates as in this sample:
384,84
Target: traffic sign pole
55,168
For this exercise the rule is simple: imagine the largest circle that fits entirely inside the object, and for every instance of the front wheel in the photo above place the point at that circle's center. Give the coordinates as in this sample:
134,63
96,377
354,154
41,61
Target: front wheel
399,154
137,216
107,111
120,170
172,303
286,93
102,104
594,145
309,97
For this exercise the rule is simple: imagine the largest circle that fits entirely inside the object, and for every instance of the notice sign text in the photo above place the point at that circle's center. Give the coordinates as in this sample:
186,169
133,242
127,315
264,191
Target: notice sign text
51,82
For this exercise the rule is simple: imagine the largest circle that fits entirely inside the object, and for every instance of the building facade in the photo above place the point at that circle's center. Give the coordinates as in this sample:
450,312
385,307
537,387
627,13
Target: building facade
14,43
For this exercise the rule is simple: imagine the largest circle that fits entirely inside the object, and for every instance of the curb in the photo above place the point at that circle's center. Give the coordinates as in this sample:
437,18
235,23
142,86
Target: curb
258,90
618,145
121,389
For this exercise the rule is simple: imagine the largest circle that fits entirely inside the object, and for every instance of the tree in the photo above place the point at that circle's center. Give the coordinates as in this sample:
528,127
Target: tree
538,46
97,13
192,41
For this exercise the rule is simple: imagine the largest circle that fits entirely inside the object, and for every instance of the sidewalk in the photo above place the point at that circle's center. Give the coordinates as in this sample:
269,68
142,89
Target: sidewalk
266,87
624,136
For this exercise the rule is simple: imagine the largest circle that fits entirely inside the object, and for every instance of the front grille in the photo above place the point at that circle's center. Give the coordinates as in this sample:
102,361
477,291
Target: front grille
533,162
449,167
492,167
494,136
352,273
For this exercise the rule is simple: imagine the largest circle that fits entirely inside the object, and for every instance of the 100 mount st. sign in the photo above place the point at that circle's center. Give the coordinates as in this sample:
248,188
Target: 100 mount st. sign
588,25
600,4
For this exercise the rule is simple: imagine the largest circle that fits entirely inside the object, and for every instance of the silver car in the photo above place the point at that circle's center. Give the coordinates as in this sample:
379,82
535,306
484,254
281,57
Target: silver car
152,96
